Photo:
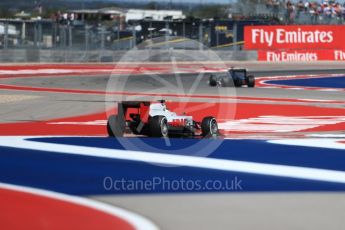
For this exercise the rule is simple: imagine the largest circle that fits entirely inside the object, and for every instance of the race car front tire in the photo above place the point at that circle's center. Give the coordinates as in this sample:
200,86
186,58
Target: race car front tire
159,126
251,81
212,81
116,126
209,127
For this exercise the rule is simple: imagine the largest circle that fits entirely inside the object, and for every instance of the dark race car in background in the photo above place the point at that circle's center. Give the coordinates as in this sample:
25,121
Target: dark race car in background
234,77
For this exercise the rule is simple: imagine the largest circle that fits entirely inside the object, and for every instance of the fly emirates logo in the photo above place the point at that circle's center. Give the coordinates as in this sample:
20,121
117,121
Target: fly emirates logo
339,55
282,36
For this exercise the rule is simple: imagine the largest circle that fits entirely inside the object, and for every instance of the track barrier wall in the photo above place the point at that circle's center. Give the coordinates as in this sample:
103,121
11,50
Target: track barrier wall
70,56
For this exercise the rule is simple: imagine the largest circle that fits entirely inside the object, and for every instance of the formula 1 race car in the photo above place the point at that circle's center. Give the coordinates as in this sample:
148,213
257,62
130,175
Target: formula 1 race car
233,77
155,120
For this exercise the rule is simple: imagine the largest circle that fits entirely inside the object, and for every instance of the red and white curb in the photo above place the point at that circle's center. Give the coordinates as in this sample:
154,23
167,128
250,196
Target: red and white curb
27,208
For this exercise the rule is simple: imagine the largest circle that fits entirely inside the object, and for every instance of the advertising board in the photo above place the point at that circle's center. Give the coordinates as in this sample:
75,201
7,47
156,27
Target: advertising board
294,37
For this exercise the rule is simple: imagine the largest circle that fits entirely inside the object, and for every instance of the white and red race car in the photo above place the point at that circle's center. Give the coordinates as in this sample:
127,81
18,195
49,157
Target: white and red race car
156,120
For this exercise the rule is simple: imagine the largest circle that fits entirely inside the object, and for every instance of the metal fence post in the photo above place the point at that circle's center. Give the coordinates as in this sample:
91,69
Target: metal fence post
63,37
184,32
118,35
40,35
234,36
201,42
217,35
134,40
102,38
60,36
70,37
6,36
102,31
23,35
167,34
86,38
183,29
55,34
35,35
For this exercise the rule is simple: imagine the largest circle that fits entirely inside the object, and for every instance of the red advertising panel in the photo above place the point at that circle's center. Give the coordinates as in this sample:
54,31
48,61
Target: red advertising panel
294,37
301,55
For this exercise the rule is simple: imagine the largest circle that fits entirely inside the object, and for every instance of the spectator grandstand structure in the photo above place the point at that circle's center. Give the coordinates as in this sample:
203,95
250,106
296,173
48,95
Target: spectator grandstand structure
305,12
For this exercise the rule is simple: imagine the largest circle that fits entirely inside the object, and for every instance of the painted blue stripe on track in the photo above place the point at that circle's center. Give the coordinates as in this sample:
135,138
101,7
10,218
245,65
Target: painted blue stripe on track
85,175
326,82
242,150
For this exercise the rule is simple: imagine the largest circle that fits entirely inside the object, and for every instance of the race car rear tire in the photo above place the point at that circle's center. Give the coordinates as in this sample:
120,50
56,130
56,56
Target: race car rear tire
212,81
209,127
159,126
116,126
251,81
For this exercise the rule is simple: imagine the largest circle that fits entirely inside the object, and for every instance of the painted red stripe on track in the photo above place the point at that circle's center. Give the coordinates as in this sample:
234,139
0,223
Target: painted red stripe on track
20,210
45,128
71,74
56,66
98,66
222,111
53,90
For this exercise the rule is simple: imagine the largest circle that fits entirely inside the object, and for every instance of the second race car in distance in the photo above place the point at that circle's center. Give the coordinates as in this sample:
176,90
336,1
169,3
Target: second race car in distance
237,77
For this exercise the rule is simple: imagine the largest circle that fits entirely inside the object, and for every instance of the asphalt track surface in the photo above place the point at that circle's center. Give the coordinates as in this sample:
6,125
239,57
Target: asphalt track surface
293,205
50,105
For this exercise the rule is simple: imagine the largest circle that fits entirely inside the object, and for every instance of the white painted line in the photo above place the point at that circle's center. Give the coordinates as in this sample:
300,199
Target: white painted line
295,88
179,160
330,90
318,100
327,135
138,222
312,142
277,124
95,123
270,87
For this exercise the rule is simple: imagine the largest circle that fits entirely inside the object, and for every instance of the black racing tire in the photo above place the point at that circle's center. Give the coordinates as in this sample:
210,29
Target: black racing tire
237,83
209,127
212,81
251,81
116,126
159,126
134,128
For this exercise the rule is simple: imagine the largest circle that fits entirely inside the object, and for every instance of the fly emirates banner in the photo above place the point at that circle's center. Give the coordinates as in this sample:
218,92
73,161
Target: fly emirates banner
296,43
